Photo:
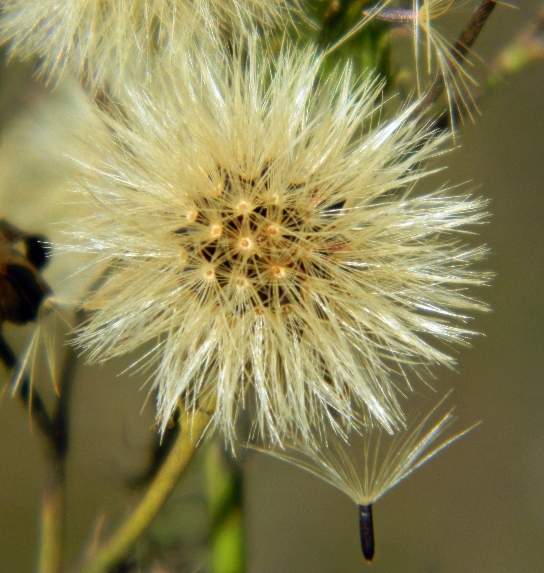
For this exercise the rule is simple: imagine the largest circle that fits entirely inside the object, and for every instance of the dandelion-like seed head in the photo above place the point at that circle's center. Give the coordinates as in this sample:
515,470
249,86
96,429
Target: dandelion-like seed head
104,42
261,241
264,232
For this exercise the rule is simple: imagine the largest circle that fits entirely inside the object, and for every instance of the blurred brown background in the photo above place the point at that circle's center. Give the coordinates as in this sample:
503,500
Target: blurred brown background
478,507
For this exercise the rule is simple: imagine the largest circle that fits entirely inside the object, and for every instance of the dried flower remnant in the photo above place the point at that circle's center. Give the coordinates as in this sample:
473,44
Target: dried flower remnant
26,297
365,472
267,236
105,41
22,288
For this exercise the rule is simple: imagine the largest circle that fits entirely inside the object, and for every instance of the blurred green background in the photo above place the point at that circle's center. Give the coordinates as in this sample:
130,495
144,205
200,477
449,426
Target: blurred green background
477,507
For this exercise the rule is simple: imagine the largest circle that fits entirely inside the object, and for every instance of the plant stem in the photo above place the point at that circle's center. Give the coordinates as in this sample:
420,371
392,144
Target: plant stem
466,40
54,428
54,489
225,498
159,452
193,426
52,518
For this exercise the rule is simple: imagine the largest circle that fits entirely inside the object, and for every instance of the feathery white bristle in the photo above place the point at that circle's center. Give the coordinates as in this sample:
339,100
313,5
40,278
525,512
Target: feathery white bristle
440,55
45,345
372,464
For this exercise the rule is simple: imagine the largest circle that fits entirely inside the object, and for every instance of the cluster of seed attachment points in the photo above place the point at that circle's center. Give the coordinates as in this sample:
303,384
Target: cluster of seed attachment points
263,249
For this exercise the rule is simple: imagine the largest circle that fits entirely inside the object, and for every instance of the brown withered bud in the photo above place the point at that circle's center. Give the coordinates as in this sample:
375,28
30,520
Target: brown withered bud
22,288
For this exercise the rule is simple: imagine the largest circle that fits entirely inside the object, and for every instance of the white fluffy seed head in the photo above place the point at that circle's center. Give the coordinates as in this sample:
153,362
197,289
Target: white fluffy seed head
264,230
105,41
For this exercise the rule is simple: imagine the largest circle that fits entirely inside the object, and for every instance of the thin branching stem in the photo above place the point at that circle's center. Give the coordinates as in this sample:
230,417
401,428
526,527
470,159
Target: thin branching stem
117,548
52,516
54,489
54,428
460,49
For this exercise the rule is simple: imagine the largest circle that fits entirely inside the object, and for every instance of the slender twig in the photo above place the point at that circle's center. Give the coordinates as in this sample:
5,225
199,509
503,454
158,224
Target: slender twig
462,46
54,489
52,517
474,27
115,551
54,428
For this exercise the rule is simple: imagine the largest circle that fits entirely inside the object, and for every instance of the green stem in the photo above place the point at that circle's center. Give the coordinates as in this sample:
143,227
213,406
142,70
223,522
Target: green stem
193,426
51,555
52,518
225,498
54,428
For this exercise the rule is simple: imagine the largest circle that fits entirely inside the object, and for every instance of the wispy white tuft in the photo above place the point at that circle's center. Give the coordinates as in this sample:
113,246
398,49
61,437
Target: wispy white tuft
106,41
264,230
46,344
375,463
435,55
440,54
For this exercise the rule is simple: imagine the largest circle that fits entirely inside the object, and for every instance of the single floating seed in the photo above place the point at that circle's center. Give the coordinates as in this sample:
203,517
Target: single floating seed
366,528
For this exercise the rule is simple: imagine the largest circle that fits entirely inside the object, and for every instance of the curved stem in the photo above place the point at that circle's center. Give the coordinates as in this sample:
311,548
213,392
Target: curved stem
468,36
225,498
193,426
52,518
54,490
55,431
